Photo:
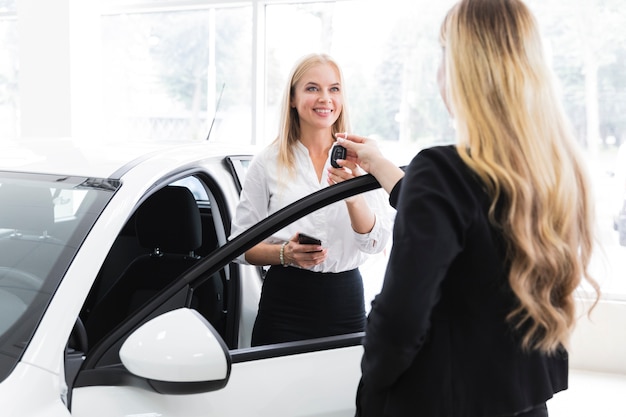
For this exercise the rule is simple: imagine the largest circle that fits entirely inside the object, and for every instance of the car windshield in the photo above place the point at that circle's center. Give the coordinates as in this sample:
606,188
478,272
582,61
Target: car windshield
43,221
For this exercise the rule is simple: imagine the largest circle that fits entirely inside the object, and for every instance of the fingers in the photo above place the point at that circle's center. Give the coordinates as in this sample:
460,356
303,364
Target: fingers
354,144
305,256
349,168
349,171
349,137
348,144
308,258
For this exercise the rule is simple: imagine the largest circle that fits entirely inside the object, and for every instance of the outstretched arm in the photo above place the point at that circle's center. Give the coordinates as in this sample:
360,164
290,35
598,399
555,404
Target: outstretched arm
365,153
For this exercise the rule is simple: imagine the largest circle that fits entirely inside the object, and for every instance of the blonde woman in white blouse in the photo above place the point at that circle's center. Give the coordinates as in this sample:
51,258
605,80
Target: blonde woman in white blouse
310,290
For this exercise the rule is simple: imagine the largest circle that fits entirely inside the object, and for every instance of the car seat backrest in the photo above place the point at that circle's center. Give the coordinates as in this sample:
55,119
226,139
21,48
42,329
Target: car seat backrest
168,226
169,221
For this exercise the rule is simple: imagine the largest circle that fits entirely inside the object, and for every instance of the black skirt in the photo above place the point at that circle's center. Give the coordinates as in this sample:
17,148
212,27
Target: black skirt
298,304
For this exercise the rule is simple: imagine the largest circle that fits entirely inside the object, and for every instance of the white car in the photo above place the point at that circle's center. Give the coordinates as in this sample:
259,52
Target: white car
119,295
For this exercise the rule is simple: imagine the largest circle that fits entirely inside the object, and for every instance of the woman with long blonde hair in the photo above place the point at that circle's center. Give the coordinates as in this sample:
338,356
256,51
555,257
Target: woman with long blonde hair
310,290
492,237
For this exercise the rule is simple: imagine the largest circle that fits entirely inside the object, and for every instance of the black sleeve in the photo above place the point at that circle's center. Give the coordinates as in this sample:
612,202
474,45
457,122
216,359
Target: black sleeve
428,235
395,193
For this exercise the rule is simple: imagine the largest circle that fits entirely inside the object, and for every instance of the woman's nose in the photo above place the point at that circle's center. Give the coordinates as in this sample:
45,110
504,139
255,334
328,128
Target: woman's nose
325,98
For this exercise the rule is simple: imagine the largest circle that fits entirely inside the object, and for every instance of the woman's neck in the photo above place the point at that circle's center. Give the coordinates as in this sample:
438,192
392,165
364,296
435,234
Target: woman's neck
318,142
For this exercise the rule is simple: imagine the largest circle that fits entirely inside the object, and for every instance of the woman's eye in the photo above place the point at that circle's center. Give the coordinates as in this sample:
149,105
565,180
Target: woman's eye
311,88
335,89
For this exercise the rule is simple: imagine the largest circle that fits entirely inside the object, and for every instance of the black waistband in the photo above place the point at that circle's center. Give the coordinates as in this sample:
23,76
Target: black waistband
292,271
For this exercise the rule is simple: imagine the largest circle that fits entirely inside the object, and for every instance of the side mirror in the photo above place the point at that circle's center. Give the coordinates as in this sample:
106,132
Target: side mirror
178,352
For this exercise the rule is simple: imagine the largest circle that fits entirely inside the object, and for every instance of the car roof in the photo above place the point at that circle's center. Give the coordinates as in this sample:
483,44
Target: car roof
102,160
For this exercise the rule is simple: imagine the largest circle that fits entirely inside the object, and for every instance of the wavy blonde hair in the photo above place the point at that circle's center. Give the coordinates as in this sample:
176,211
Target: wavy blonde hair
512,132
289,128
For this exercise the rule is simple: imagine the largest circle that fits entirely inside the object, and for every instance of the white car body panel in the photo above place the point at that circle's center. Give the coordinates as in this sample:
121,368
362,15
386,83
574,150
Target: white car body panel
276,387
251,291
32,392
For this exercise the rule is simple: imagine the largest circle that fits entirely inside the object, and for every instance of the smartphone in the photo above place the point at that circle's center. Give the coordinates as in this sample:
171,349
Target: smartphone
338,152
305,239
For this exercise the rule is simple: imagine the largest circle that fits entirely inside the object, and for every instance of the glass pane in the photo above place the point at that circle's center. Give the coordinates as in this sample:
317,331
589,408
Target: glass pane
587,47
164,74
43,222
7,6
9,81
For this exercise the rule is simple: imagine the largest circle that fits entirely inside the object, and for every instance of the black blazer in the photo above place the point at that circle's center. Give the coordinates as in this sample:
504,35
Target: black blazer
437,343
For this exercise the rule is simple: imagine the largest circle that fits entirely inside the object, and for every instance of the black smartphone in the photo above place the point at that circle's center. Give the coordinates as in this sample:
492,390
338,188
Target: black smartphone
338,152
305,239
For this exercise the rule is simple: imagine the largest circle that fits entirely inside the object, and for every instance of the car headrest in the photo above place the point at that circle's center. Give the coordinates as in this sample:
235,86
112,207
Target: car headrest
25,208
170,221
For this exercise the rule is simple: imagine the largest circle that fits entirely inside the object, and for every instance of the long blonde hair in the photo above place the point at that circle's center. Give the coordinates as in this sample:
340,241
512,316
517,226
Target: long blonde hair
512,132
289,128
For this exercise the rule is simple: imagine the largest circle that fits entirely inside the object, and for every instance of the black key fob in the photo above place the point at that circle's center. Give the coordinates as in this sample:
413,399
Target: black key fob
338,152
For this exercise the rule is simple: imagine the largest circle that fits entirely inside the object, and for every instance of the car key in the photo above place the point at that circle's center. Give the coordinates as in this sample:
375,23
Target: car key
338,152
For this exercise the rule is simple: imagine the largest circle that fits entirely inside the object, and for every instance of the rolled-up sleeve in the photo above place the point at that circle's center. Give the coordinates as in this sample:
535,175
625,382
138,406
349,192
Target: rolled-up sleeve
378,238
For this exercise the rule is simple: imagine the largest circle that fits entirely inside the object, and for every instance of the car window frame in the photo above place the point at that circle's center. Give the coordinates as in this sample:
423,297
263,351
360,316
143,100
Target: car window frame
238,168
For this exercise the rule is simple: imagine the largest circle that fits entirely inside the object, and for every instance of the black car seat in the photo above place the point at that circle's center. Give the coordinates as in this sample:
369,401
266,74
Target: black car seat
168,225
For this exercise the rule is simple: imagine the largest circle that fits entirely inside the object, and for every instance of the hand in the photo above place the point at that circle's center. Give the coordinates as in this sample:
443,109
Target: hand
365,153
304,256
349,169
362,151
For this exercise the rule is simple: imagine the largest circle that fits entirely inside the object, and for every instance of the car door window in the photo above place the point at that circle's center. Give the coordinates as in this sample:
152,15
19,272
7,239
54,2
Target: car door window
170,232
249,278
239,167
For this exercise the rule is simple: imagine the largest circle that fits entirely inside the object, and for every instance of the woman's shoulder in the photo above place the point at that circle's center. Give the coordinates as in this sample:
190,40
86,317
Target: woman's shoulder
266,155
269,151
442,157
443,165
447,152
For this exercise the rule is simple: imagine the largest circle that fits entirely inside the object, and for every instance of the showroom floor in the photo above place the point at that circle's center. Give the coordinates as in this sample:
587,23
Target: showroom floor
591,394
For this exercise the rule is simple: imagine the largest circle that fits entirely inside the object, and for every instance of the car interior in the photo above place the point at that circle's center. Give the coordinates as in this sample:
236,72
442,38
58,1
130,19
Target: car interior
167,235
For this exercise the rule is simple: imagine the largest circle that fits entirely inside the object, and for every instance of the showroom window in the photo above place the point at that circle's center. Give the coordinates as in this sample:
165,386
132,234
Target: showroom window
174,75
9,83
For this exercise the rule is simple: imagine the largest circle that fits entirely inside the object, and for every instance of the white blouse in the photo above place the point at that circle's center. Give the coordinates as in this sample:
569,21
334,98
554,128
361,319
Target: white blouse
263,194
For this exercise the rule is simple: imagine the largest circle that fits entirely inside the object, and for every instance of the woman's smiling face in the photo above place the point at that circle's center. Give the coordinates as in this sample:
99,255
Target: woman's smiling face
318,98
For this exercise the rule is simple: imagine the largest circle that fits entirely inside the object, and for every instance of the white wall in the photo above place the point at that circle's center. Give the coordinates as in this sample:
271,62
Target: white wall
59,68
599,341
